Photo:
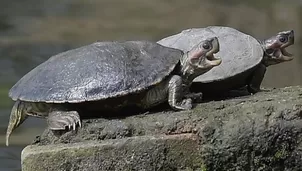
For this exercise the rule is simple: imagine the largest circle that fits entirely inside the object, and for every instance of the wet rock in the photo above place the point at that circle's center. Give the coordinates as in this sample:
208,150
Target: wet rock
258,132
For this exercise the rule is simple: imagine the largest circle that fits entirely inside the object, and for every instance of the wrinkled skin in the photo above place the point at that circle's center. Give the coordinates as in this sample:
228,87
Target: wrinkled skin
174,89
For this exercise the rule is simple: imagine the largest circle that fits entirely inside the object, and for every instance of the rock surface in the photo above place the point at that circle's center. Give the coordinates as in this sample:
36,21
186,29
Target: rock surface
258,132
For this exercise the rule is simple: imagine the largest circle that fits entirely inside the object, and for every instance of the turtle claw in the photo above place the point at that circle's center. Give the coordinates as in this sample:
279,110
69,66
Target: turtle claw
60,120
80,124
186,104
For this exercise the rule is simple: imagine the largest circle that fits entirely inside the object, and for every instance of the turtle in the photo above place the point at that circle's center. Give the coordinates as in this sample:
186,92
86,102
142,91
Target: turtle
109,75
245,58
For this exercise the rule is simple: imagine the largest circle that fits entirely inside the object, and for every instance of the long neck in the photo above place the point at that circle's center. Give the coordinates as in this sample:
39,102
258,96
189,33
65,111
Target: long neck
263,44
265,55
187,71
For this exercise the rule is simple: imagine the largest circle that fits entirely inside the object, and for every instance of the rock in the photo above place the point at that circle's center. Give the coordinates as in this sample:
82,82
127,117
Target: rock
165,152
258,132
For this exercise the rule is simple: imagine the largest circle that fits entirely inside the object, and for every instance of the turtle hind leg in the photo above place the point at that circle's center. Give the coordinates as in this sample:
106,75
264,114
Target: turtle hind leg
60,120
17,117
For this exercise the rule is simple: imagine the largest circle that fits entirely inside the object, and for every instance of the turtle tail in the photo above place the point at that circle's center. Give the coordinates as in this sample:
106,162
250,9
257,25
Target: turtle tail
17,117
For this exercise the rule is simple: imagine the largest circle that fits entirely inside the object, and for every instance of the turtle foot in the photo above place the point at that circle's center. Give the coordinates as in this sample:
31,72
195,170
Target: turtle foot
262,89
253,90
186,104
62,120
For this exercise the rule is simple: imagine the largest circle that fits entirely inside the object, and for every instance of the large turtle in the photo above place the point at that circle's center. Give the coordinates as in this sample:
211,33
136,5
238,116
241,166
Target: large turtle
244,58
109,75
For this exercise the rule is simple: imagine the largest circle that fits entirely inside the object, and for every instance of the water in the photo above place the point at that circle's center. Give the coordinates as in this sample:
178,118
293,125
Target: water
33,30
10,158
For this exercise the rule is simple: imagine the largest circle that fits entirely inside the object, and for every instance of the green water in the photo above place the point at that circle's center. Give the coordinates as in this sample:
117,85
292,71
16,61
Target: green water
33,30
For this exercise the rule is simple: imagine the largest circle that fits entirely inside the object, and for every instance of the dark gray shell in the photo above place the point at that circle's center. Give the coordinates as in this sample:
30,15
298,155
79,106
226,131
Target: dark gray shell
97,71
239,52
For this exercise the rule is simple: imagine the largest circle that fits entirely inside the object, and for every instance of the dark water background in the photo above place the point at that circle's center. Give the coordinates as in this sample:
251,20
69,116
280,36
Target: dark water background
33,30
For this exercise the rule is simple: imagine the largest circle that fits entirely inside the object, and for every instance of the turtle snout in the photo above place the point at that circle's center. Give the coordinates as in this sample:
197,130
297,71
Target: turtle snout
210,58
291,37
216,46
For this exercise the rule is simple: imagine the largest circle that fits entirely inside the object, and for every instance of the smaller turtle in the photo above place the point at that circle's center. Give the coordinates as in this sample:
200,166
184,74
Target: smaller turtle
109,75
245,58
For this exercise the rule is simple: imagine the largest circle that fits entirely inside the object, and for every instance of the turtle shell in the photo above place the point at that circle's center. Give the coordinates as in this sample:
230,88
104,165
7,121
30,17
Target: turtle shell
97,71
239,52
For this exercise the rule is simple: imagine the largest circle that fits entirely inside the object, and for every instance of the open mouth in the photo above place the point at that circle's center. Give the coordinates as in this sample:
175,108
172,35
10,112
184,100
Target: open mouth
212,60
210,57
283,55
275,47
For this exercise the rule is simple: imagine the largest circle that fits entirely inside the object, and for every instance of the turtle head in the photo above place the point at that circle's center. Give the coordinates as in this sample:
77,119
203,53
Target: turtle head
274,48
200,58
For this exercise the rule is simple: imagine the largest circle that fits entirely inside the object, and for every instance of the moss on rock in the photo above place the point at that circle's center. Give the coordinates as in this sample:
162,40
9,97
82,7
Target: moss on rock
262,131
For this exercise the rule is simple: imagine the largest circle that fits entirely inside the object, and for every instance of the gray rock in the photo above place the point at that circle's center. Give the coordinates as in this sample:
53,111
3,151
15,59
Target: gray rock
133,153
259,132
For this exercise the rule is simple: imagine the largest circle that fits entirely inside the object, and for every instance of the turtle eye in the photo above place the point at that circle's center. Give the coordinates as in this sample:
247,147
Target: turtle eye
206,46
283,39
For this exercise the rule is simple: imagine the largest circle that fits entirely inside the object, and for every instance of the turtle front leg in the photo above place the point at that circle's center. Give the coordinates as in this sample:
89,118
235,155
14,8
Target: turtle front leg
60,120
176,94
256,79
